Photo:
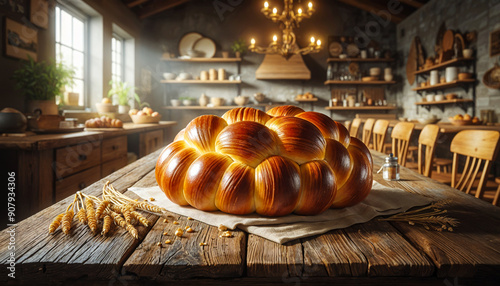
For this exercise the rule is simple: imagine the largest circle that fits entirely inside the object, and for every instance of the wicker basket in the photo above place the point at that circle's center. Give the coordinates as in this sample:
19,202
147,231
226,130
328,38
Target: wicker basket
144,119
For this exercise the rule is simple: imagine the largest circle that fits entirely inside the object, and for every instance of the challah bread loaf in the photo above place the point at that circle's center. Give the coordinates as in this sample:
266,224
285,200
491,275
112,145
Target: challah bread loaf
274,164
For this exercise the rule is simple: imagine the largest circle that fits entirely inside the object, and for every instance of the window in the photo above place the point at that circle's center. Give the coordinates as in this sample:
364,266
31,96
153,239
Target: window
71,47
117,58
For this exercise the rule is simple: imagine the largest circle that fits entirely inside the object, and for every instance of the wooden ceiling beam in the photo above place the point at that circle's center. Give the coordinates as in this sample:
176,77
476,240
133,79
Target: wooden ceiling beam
158,6
371,6
136,3
412,3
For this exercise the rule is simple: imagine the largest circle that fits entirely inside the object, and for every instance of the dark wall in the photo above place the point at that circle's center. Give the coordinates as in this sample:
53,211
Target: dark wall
246,21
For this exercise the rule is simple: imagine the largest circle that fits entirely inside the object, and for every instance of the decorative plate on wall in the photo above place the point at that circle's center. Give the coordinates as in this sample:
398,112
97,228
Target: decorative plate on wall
335,49
206,46
187,42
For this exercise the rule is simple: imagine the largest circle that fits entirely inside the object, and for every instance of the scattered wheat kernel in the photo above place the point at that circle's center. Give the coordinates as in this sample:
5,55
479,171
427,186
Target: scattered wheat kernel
190,218
165,233
226,234
168,241
189,230
175,222
222,227
136,200
152,199
187,226
159,243
165,220
202,244
179,232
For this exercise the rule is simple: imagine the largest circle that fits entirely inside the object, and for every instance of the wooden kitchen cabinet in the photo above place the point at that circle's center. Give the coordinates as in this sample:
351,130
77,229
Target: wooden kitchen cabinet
150,142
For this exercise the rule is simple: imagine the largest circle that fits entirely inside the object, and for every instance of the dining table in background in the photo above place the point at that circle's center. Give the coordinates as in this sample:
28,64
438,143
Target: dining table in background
376,252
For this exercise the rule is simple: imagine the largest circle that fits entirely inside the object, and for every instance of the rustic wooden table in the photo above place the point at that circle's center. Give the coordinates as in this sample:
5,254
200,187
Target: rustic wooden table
377,252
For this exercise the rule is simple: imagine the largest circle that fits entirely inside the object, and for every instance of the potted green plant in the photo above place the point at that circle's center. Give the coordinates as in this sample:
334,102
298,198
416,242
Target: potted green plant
239,47
121,92
187,101
41,82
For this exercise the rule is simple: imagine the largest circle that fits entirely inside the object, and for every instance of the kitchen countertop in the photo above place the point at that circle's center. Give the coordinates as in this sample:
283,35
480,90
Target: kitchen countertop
376,252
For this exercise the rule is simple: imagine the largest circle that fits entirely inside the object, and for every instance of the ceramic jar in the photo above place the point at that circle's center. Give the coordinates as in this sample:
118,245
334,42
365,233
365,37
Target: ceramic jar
434,78
204,75
203,100
451,74
221,74
212,74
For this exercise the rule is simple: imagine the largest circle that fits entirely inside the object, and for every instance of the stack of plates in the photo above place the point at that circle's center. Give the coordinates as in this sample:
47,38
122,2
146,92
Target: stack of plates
203,47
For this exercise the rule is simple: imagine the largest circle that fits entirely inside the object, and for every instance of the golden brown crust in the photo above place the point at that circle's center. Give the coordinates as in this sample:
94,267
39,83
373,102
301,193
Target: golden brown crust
300,140
201,132
277,186
180,135
247,142
337,156
245,114
203,178
318,188
236,190
285,110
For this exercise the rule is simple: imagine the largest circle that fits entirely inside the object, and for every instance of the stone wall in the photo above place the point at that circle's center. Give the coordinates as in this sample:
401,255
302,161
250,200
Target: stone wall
482,16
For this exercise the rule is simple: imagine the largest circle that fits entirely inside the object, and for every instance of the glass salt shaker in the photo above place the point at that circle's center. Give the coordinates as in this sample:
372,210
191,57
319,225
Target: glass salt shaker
390,170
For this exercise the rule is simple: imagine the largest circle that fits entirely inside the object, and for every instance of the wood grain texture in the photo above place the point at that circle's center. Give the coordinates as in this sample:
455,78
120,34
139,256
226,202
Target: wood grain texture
269,259
185,258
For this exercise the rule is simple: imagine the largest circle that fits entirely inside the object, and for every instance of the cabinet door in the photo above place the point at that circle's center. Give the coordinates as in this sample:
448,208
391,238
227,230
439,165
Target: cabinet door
73,159
150,142
113,166
69,185
114,148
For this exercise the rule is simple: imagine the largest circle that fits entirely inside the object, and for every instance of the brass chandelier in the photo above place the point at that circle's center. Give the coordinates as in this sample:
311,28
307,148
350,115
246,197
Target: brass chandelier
288,19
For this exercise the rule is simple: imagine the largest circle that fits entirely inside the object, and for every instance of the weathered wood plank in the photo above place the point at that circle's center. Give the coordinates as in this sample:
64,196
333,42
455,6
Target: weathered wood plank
185,258
268,259
387,252
43,256
333,254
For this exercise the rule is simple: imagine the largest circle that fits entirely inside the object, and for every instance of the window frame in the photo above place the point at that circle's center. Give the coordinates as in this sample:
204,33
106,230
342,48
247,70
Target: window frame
76,13
120,39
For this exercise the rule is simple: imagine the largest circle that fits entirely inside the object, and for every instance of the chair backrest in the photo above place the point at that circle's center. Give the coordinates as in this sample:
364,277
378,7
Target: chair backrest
478,147
401,135
347,124
353,131
426,147
388,116
367,131
379,132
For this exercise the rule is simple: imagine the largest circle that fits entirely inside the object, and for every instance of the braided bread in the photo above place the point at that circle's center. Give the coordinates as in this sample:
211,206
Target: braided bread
274,163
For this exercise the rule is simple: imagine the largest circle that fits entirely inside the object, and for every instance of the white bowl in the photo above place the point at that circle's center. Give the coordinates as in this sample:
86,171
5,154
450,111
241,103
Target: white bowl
428,120
175,102
169,76
375,71
438,97
241,100
429,97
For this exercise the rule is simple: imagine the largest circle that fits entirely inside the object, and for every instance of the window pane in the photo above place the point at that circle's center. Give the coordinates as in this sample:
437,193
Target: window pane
66,55
113,44
58,53
119,47
78,31
78,87
66,29
78,64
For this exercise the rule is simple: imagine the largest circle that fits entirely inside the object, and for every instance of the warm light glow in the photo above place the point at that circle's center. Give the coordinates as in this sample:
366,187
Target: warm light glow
275,38
266,5
318,43
252,41
299,11
313,40
275,10
310,5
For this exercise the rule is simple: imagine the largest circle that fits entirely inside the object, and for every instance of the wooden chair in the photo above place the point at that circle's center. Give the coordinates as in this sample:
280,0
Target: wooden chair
379,132
367,131
347,124
497,195
401,135
356,122
480,147
427,139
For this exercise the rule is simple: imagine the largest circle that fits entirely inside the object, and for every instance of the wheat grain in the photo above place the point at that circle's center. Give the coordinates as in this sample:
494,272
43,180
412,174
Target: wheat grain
55,223
100,209
82,216
106,225
66,221
140,218
89,209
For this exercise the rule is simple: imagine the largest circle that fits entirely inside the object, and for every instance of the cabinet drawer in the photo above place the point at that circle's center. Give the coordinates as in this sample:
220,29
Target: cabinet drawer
150,142
114,148
72,159
69,185
113,166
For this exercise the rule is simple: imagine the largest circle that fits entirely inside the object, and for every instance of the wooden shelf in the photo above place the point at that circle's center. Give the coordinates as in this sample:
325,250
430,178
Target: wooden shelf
195,81
452,101
385,107
204,60
369,60
444,65
358,82
195,107
307,100
452,84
